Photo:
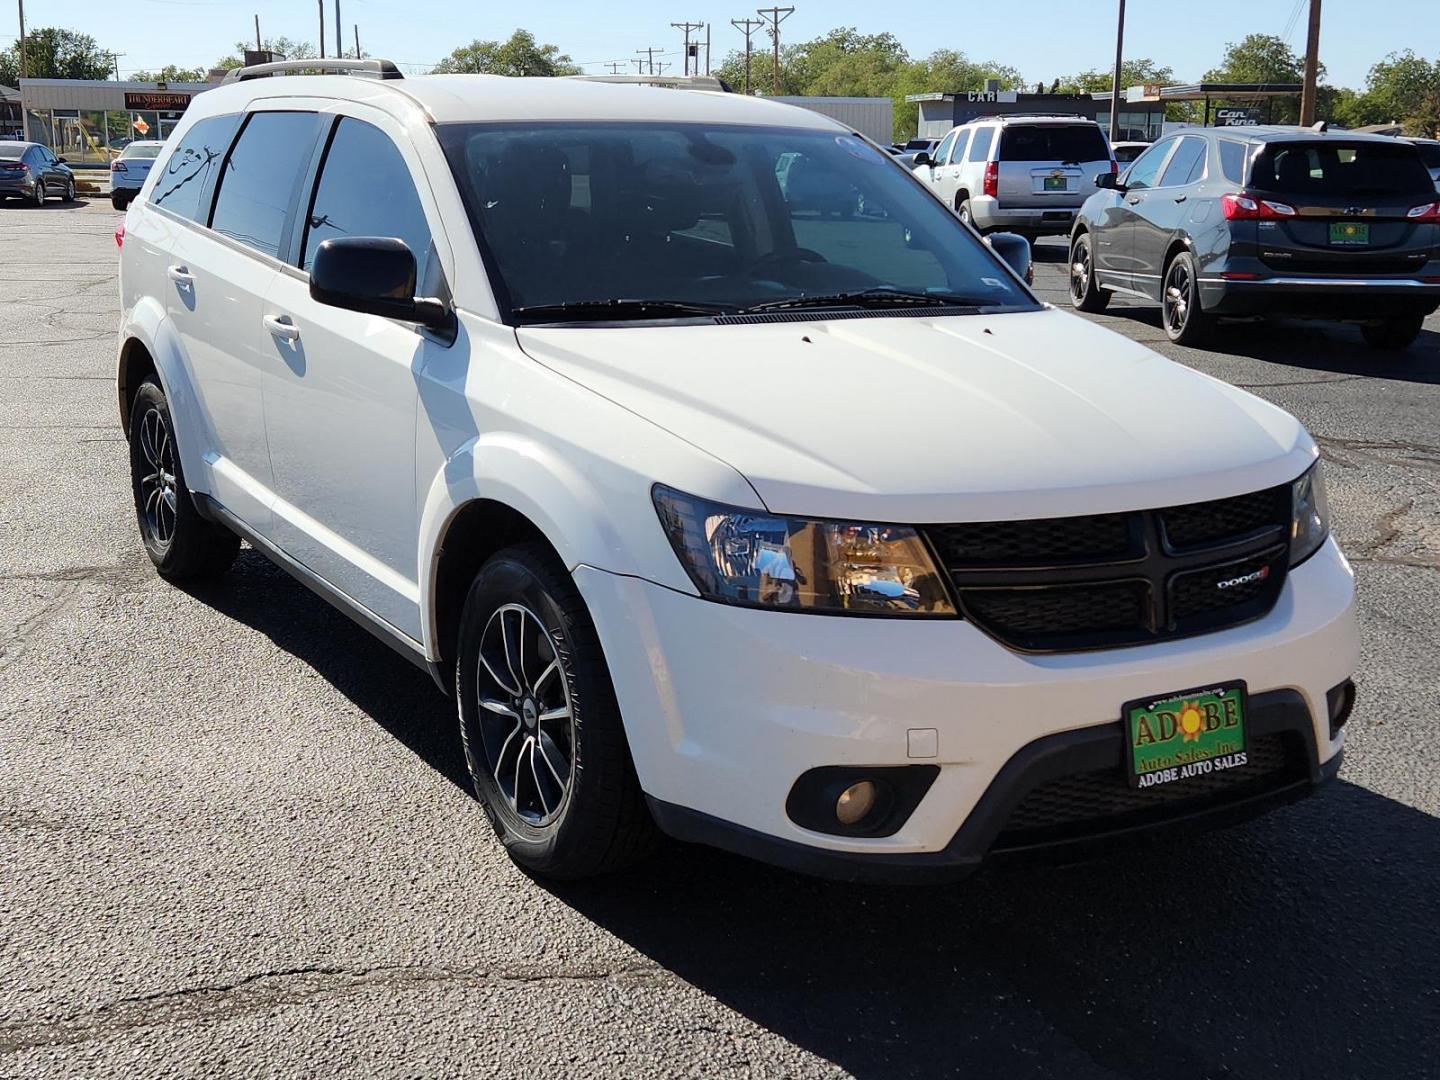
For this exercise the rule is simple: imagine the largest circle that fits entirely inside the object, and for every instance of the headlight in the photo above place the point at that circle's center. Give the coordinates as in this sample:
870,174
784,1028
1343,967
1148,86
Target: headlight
1310,515
758,559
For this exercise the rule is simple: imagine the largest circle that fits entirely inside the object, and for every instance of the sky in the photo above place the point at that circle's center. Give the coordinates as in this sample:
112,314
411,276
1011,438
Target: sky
1044,38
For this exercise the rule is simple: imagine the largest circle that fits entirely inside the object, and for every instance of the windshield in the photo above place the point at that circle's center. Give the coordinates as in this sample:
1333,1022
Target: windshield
140,150
724,217
1053,142
1340,170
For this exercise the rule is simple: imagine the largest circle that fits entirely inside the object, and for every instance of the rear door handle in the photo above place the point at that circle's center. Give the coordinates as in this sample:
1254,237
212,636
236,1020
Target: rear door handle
281,327
1135,200
180,275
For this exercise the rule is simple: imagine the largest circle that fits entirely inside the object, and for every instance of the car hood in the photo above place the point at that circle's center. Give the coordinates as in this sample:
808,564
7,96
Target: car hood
951,418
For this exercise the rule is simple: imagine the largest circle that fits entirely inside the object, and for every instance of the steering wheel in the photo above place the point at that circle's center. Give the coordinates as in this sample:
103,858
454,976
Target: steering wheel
781,258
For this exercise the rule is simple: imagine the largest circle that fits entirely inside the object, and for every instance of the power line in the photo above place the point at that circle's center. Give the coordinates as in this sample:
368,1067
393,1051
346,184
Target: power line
687,27
747,27
649,61
775,16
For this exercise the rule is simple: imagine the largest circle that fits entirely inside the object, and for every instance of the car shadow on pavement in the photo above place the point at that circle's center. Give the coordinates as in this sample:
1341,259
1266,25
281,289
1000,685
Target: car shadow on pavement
1306,943
396,694
1302,944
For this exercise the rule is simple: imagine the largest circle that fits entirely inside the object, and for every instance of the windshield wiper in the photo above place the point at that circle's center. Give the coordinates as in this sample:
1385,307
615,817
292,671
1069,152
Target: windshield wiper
871,298
590,310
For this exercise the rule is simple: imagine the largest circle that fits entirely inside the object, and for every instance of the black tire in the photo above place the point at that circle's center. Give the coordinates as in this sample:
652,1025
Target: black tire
1395,333
524,609
1085,292
178,540
39,195
70,190
962,211
1181,315
119,202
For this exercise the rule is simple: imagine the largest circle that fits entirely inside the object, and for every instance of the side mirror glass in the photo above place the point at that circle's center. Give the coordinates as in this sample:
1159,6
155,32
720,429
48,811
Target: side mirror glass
1108,180
374,275
923,158
1015,250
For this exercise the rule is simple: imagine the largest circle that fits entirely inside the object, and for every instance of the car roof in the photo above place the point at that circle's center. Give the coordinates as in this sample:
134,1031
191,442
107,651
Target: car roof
499,99
1029,118
1290,133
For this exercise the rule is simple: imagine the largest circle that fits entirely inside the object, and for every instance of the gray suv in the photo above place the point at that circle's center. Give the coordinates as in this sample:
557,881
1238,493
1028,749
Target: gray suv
1020,173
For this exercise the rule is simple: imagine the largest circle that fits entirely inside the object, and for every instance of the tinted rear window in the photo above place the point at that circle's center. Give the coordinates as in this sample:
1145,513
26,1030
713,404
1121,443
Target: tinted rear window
1232,161
134,150
1340,170
187,171
1429,154
12,151
1053,142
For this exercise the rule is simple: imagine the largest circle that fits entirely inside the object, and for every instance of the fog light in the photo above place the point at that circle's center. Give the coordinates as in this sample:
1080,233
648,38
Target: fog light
855,802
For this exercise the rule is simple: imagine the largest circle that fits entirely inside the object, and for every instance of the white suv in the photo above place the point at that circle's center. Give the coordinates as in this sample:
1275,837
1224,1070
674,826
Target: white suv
815,537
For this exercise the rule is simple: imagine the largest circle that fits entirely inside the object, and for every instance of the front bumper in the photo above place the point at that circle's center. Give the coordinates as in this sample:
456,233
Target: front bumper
726,707
990,216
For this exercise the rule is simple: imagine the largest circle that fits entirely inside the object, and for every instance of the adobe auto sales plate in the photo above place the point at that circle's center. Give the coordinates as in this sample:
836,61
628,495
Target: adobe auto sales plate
1178,736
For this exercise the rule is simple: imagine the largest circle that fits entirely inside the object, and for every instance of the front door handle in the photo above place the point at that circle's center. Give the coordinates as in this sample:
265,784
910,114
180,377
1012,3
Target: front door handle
1134,200
281,327
180,275
1181,198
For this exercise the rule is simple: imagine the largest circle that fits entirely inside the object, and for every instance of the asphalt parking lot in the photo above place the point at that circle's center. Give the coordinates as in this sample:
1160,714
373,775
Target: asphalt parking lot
235,835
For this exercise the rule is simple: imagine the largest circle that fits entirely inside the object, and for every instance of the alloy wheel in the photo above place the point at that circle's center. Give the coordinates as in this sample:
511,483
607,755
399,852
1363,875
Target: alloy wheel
527,724
158,486
40,193
1079,270
1179,295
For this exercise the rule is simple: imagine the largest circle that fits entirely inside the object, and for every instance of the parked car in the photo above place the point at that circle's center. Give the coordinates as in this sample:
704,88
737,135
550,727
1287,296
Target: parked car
1126,152
1023,174
32,172
822,541
1429,150
128,171
1266,221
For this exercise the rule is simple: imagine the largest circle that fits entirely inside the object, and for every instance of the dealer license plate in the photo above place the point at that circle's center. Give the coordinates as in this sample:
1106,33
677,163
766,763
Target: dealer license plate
1349,233
1056,183
1178,736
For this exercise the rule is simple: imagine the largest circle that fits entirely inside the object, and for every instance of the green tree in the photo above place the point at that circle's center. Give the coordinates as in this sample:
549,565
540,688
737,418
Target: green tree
53,53
1262,58
286,47
945,71
168,74
1402,87
520,55
1132,73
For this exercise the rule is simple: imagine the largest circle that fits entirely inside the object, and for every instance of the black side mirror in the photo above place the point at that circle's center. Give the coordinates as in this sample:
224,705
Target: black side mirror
1015,250
1109,181
60,161
374,275
923,158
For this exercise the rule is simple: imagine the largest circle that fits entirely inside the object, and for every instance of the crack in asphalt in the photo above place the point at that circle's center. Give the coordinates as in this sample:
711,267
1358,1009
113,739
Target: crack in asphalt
265,990
1301,382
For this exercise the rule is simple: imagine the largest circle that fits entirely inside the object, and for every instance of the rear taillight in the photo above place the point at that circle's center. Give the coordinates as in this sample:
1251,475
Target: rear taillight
1428,212
1237,207
120,234
12,166
991,184
118,166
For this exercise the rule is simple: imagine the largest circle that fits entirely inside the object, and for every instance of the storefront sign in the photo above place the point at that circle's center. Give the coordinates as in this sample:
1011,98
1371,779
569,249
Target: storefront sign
1237,117
149,99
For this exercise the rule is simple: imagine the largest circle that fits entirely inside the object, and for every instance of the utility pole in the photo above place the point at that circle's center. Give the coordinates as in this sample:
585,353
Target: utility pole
707,48
687,27
258,44
1115,82
357,42
747,27
24,73
661,66
648,62
775,15
115,59
339,32
321,5
1312,67
616,65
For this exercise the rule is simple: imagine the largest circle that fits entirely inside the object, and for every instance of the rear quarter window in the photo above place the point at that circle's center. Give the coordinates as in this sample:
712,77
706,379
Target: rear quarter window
1053,142
193,164
1232,160
980,145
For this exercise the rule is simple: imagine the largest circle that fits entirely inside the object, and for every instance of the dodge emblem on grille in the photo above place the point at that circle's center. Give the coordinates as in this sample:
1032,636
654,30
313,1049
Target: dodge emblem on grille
1244,579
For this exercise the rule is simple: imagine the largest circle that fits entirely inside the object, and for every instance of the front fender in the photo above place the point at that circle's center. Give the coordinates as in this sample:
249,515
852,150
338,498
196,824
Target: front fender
147,324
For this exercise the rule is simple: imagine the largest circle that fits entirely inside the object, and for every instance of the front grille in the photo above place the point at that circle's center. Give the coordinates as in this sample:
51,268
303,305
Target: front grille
1109,580
1093,802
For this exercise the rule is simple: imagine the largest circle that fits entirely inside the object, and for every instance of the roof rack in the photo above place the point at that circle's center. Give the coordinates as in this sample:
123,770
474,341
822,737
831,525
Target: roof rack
381,69
673,82
1030,116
